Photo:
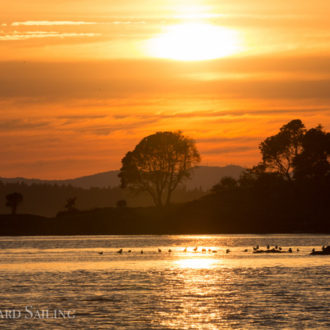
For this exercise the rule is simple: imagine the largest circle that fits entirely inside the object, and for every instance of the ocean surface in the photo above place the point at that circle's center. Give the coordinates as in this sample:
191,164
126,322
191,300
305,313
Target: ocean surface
83,282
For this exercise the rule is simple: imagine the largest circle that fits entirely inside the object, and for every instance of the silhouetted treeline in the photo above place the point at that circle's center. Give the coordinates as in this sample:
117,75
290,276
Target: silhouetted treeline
266,203
48,200
287,192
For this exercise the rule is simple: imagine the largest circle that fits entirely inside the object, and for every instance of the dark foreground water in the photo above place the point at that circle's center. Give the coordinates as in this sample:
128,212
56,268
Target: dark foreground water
64,282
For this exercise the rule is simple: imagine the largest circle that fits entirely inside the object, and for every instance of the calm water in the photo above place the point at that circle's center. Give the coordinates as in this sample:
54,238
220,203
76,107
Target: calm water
177,290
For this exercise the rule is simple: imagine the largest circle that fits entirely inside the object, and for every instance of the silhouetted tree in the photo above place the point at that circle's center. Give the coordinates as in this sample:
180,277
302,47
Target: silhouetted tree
278,151
13,200
70,204
158,164
227,183
313,161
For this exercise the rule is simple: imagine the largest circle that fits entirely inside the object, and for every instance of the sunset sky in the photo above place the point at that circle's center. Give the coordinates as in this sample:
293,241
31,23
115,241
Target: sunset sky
82,81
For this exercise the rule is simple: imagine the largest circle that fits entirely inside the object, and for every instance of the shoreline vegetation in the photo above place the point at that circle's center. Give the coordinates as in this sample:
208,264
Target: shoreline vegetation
287,192
175,220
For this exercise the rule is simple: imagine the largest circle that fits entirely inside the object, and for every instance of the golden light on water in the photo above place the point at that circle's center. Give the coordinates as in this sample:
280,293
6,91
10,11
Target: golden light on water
197,263
194,42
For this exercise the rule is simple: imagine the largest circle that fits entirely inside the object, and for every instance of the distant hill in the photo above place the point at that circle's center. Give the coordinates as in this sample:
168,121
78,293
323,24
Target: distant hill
206,176
203,177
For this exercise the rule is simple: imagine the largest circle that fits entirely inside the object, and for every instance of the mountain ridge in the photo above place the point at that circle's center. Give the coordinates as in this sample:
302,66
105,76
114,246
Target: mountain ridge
203,177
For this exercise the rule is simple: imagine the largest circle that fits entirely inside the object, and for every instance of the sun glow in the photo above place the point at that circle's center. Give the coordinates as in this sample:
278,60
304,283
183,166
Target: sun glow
194,42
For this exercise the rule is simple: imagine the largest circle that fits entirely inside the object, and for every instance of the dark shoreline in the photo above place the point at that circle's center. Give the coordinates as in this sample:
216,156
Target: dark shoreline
169,234
146,221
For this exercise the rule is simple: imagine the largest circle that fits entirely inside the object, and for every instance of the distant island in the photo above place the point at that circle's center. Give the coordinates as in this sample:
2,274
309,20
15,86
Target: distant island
48,197
287,192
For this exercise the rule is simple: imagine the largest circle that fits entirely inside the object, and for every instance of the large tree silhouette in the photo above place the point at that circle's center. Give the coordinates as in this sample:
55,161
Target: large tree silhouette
158,164
13,200
279,151
313,161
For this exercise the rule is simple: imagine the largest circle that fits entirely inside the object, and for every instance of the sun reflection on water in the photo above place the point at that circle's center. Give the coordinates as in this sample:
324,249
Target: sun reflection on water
197,263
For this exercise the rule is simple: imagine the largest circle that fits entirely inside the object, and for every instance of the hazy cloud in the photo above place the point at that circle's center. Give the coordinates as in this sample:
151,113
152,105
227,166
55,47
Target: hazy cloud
230,149
82,117
72,119
227,139
43,34
46,23
22,124
123,79
106,129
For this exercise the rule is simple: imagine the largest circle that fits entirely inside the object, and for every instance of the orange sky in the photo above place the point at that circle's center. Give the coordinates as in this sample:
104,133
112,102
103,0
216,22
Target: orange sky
80,86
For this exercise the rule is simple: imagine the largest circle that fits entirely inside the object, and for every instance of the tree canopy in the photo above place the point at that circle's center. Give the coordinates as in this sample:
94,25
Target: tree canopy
288,190
296,153
313,161
278,151
158,164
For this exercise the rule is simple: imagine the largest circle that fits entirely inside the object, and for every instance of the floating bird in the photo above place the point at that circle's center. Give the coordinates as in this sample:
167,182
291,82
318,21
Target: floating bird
120,251
195,249
101,252
325,251
203,250
141,251
129,251
227,251
214,251
169,250
290,250
159,251
298,250
246,250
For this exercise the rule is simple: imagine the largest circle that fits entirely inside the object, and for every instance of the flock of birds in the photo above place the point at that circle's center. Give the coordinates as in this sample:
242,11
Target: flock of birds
256,249
275,249
120,251
204,250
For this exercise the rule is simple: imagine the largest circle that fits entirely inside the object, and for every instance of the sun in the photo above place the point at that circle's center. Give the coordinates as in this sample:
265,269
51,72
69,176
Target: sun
194,42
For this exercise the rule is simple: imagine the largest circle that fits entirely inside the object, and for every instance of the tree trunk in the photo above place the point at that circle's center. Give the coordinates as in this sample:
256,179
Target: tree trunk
14,209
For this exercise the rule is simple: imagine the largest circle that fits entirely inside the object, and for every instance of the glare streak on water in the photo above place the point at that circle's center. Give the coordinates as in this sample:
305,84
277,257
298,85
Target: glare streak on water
167,290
